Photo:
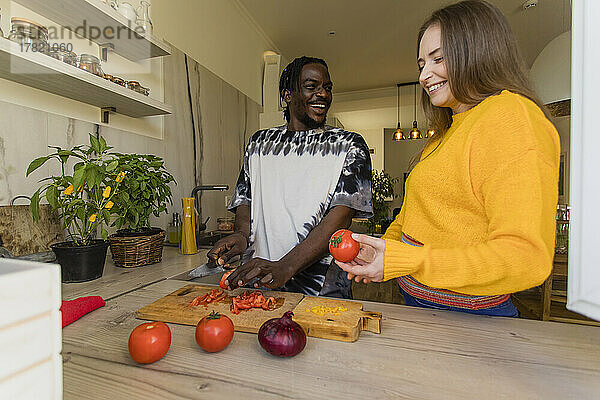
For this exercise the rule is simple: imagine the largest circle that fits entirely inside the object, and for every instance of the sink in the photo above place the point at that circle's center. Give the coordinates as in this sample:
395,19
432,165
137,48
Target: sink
208,239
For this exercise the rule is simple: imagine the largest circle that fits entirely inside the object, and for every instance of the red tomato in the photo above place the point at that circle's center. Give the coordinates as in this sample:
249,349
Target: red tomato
342,247
214,332
149,342
223,278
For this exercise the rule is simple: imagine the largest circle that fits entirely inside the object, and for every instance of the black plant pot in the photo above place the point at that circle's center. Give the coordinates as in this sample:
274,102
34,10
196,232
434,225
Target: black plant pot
80,263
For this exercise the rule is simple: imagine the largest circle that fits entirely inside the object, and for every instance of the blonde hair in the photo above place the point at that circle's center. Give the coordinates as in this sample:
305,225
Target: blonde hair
482,58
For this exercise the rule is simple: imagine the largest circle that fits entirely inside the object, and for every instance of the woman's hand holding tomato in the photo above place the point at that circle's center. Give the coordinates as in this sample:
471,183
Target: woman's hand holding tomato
214,332
342,247
368,265
149,342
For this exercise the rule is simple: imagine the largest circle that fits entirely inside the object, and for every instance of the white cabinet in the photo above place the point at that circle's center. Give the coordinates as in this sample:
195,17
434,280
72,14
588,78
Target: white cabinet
30,330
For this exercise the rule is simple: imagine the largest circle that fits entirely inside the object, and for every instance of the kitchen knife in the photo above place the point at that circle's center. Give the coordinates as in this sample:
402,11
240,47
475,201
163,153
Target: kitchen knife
210,268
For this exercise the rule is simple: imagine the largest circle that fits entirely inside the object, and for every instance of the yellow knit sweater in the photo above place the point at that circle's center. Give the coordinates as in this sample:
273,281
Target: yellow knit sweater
483,202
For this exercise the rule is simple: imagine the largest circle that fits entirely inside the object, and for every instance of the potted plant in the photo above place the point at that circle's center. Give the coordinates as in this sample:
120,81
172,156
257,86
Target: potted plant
145,192
83,201
382,190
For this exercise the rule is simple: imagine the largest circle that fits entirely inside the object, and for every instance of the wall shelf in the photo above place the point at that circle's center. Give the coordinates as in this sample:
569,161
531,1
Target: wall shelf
71,14
48,74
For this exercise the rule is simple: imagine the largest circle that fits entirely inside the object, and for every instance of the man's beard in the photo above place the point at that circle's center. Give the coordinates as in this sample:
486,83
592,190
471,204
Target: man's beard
311,123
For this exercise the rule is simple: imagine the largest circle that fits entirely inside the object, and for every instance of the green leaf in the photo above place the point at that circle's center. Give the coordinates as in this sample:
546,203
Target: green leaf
95,143
80,214
106,216
112,166
102,145
78,177
35,164
104,233
34,206
91,175
52,196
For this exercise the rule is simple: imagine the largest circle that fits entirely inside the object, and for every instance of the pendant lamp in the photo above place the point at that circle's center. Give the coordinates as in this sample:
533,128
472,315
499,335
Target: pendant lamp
415,133
398,134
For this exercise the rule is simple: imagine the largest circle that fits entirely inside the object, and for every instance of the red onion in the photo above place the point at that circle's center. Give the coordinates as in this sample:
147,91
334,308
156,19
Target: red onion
282,336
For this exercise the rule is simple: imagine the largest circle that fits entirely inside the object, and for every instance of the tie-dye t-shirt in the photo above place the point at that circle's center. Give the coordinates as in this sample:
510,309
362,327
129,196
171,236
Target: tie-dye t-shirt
290,180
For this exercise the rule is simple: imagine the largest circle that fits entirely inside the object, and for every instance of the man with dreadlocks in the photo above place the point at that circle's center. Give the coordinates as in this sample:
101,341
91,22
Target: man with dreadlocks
300,183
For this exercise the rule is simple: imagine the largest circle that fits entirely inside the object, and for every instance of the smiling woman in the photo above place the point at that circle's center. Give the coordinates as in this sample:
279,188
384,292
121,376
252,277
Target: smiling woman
492,165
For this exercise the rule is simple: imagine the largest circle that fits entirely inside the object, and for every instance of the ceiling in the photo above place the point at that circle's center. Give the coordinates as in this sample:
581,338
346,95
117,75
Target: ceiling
375,41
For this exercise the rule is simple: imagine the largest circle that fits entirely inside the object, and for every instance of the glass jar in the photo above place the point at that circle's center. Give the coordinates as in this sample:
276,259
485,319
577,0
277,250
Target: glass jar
63,55
225,224
119,81
133,85
90,63
144,90
136,87
30,34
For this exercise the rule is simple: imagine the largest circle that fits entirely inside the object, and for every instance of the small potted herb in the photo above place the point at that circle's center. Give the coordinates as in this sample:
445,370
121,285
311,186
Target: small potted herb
84,200
145,192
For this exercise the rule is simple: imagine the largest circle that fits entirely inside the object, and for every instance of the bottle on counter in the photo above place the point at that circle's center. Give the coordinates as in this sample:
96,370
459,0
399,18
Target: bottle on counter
174,229
188,227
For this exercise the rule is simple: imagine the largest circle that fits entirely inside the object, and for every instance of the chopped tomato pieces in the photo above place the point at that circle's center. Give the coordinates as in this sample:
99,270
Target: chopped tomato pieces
210,297
249,299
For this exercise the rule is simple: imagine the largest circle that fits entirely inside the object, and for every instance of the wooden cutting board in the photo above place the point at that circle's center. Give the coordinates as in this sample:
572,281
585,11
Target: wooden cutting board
22,236
345,327
175,308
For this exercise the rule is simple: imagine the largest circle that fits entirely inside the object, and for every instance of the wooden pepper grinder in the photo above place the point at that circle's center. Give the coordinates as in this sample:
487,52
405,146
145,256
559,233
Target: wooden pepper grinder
188,227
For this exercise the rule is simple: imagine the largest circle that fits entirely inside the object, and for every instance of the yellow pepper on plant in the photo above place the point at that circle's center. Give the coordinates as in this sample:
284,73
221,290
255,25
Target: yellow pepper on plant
84,194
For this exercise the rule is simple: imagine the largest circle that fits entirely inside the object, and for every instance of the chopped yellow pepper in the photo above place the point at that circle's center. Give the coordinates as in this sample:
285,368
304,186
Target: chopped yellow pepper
322,310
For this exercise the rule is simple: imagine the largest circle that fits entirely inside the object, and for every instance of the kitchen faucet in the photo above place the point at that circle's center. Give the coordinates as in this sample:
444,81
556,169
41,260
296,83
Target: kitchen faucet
201,226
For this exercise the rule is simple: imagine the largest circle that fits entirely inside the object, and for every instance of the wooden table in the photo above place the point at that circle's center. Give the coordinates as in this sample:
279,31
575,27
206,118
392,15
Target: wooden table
116,281
421,354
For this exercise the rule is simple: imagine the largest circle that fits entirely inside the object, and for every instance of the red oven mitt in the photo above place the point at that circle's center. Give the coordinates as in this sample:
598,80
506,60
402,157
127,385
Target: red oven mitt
72,310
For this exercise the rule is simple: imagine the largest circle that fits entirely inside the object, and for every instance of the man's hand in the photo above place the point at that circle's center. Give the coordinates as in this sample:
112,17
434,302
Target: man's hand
270,274
227,248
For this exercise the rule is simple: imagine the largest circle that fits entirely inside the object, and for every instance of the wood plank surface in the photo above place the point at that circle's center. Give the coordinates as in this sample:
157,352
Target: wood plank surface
175,308
117,280
420,354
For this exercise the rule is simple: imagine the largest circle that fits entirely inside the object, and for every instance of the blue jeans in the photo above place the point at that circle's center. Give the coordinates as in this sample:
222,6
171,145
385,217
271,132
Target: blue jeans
506,309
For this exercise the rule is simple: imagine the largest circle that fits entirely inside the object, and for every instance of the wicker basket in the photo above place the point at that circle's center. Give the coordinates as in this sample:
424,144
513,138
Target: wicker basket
136,251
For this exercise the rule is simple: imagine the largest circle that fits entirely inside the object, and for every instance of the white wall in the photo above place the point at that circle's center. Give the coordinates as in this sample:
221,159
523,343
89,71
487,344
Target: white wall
550,73
374,139
220,35
369,112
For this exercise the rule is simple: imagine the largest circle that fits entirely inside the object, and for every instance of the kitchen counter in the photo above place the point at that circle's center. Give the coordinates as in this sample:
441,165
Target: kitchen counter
116,280
423,354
